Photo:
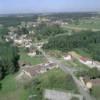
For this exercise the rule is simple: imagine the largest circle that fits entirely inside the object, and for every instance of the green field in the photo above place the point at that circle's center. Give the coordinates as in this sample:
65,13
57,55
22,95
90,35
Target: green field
96,92
87,24
38,59
10,90
83,53
76,65
90,23
31,60
54,79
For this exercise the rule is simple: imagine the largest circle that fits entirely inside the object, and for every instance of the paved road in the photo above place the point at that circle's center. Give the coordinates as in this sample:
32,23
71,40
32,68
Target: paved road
66,69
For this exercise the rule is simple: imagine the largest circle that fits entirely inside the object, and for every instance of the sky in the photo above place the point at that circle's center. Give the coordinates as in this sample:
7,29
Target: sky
37,6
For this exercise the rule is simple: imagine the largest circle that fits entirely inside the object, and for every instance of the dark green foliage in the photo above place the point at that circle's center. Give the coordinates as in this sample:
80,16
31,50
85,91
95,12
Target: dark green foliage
86,39
8,59
44,30
14,20
0,86
22,31
38,52
94,49
75,98
54,79
92,73
3,31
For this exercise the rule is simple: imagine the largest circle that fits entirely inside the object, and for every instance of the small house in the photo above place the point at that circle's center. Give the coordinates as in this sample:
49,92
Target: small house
86,60
67,57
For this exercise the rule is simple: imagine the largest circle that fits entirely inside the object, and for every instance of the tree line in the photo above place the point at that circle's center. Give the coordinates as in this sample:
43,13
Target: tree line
89,41
44,31
91,73
8,59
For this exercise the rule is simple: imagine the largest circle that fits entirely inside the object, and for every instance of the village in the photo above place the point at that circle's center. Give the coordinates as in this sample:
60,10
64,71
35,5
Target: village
28,72
52,74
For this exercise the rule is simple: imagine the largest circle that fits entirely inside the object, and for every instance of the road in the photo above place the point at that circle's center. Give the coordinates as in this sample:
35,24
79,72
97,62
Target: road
66,69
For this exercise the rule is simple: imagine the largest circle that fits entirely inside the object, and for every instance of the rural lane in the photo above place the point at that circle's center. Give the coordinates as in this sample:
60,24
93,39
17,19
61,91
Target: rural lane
66,69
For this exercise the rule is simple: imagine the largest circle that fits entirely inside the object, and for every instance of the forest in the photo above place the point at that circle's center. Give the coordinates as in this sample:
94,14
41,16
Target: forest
8,56
8,59
44,31
86,40
14,20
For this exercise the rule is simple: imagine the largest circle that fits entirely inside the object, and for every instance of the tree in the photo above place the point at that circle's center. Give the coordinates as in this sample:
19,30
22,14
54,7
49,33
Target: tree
87,40
43,30
8,59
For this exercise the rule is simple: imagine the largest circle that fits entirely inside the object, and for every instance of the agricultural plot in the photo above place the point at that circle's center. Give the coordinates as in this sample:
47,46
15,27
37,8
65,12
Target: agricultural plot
31,60
54,79
86,24
10,90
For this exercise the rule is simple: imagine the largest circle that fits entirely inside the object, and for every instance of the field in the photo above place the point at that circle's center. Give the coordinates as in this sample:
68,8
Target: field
96,92
85,24
54,79
38,59
76,65
83,53
10,90
55,53
31,60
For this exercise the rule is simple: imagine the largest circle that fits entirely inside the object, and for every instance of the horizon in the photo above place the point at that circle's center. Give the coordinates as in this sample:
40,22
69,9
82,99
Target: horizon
48,6
48,12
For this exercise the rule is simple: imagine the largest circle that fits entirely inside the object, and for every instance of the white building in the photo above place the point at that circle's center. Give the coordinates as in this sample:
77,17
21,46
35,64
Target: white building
86,61
32,54
68,57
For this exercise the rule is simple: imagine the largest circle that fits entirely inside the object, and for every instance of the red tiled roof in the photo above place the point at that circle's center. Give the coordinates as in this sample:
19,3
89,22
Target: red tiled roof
84,59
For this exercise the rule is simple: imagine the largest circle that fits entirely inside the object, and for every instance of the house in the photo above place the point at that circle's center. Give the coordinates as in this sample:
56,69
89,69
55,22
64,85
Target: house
67,57
90,62
31,51
85,60
64,24
96,64
86,83
32,54
18,42
50,65
43,19
38,69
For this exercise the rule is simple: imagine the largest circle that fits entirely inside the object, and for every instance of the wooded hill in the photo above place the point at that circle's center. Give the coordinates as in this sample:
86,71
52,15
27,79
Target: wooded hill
8,59
87,40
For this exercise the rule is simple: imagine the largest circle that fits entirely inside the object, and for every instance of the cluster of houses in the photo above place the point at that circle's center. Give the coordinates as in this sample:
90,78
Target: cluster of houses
22,41
84,60
51,22
30,71
86,81
19,40
89,62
